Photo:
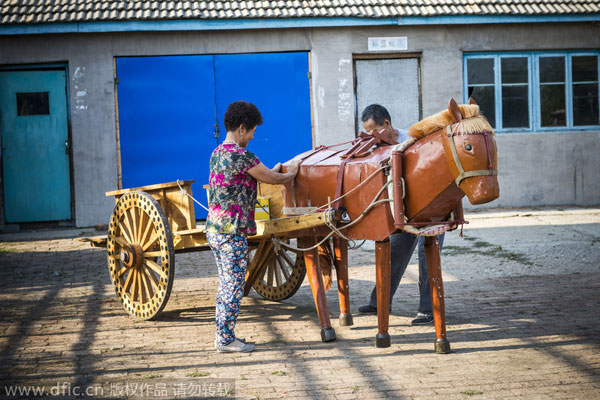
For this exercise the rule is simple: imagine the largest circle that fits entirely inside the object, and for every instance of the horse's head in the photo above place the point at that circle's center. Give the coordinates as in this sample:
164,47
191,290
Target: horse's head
471,152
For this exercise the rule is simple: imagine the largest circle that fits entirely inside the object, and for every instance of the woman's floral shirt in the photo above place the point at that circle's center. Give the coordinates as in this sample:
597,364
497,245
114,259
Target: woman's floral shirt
232,191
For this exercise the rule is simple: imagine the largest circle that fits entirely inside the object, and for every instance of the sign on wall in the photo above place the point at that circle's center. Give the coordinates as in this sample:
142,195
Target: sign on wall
398,43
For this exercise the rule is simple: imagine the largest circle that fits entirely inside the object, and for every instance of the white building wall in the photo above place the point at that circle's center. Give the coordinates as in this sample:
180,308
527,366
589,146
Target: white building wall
535,169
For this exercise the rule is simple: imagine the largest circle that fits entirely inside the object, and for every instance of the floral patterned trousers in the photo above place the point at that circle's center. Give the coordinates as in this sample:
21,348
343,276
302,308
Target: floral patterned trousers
231,254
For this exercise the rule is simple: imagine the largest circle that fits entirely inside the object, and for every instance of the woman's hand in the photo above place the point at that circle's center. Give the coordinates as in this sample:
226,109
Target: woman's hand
277,167
292,167
263,174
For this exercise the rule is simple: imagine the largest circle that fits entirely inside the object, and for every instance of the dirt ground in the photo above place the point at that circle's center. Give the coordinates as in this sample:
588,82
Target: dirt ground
522,300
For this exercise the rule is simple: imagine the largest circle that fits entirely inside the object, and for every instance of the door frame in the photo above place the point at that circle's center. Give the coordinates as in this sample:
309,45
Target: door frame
51,66
384,56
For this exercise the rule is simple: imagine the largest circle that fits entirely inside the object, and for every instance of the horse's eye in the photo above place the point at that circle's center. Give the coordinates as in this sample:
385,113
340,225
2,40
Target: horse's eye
468,147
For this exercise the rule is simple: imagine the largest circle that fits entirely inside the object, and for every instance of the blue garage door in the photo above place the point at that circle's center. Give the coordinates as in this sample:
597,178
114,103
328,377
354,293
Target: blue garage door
169,106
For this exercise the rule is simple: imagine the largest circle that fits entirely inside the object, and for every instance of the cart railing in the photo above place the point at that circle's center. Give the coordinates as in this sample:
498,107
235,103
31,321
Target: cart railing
178,207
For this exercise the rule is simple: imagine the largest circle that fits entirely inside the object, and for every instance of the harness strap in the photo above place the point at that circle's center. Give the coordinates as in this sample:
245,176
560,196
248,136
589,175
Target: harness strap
338,186
355,151
310,154
461,171
360,148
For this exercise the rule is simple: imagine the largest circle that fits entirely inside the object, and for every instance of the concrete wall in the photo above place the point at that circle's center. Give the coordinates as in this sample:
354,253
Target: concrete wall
92,96
535,169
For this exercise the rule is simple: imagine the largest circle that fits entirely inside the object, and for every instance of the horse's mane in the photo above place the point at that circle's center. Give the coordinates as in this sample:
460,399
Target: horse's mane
472,121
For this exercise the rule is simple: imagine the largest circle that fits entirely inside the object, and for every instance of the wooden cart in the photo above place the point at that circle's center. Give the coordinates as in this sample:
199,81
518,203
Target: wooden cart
150,224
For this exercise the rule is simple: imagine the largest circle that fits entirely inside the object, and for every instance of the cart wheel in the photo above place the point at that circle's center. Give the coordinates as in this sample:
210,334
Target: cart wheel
141,259
283,273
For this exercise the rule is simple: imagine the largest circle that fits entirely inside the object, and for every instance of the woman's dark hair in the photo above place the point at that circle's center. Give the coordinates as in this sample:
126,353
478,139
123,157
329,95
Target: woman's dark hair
242,113
377,113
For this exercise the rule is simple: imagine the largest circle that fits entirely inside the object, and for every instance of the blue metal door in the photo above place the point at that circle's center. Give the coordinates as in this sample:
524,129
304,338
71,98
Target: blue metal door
35,157
166,118
168,108
278,84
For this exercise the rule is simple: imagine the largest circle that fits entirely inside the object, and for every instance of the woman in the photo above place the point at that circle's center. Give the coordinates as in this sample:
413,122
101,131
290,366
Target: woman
234,172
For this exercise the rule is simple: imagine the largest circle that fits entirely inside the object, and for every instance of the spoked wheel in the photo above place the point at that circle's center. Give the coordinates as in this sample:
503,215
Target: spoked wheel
281,270
141,259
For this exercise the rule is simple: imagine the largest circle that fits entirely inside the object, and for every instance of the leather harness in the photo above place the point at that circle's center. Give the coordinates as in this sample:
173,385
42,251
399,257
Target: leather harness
361,148
462,174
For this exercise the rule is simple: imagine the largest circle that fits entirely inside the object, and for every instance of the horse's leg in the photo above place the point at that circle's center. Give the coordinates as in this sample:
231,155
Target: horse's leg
311,258
382,261
340,249
434,266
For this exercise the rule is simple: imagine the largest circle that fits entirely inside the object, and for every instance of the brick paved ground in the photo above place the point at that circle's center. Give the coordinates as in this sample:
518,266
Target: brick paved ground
523,293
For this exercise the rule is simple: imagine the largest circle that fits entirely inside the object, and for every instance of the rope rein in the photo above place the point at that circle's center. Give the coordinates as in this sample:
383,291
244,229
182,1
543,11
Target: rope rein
326,206
318,209
185,193
336,230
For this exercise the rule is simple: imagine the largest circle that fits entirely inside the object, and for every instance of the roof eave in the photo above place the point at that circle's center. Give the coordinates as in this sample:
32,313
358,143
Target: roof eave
280,23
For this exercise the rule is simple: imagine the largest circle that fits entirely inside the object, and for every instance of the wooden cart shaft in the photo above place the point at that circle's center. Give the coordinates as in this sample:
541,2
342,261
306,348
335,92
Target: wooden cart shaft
188,237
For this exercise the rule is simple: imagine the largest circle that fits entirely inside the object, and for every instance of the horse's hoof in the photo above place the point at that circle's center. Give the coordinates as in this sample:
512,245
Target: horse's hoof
382,340
346,320
442,346
328,335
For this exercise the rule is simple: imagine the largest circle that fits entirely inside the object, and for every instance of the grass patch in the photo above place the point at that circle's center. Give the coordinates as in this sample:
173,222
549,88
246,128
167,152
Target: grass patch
471,392
454,249
152,376
6,250
278,373
354,388
197,374
517,257
486,249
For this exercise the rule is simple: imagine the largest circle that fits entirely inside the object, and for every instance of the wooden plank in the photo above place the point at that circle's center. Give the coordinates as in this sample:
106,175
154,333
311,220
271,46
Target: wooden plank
118,129
292,211
275,195
149,188
95,241
191,238
191,211
195,239
289,224
191,241
200,229
179,209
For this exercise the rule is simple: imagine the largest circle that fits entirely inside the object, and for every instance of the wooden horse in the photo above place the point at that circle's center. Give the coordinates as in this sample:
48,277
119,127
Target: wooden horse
381,187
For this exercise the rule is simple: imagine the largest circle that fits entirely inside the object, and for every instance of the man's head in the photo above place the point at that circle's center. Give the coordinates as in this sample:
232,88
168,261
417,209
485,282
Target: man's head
376,117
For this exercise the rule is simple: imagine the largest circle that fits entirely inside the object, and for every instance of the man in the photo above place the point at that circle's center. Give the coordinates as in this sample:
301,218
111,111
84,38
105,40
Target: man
377,118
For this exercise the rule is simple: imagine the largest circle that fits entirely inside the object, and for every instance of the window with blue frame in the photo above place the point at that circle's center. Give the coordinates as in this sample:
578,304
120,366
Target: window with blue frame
535,91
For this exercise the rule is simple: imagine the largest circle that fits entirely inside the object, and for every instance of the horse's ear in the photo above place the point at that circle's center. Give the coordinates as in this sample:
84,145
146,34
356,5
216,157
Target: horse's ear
472,101
454,110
